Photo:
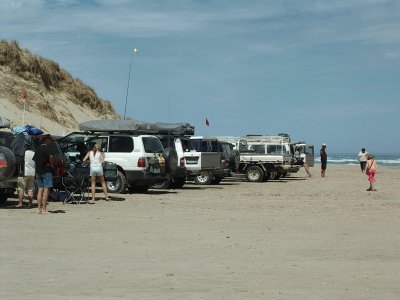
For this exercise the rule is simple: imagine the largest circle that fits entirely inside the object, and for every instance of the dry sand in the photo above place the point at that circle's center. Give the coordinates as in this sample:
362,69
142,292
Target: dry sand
297,238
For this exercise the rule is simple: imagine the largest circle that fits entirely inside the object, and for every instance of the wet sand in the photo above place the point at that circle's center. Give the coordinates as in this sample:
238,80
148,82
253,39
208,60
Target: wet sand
295,238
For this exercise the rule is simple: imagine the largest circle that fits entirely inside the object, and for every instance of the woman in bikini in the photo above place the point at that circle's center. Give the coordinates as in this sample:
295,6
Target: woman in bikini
96,158
370,171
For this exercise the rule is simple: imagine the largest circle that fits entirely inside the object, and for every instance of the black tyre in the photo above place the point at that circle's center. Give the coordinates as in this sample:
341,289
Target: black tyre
204,178
178,182
139,188
8,163
162,184
254,174
118,186
234,160
171,160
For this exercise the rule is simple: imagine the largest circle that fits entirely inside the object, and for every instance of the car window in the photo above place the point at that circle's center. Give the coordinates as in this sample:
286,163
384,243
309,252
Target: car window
258,148
274,149
152,145
120,144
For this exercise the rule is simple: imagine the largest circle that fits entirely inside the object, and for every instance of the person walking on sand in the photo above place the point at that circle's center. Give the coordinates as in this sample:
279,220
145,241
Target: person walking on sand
362,158
25,183
324,159
44,161
371,171
96,159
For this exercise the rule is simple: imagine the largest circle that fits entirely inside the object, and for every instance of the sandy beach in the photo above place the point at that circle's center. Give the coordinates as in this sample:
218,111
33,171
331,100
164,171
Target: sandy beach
295,238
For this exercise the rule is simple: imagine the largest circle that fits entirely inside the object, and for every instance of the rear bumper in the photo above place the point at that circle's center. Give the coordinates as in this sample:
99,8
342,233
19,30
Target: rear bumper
143,178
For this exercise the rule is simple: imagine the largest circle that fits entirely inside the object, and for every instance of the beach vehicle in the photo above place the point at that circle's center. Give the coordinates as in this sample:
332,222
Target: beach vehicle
176,173
138,157
204,160
12,168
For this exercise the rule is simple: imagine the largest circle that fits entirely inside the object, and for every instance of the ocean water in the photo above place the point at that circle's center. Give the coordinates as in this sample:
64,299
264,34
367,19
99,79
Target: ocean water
351,159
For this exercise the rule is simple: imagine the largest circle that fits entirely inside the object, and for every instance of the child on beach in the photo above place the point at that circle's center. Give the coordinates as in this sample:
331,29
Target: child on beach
370,171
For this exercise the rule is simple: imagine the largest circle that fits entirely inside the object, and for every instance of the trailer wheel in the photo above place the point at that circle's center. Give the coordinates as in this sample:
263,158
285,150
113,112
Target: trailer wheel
254,174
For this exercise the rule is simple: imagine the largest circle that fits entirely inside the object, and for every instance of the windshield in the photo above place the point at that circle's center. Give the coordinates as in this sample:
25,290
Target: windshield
152,145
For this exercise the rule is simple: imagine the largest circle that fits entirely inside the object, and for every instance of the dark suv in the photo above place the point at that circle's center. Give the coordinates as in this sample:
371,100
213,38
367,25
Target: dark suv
11,168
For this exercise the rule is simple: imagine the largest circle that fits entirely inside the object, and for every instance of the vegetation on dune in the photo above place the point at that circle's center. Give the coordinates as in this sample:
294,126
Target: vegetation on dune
50,76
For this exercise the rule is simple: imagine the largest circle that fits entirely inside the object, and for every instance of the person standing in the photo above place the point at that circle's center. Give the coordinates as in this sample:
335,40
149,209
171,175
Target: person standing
324,159
44,161
371,171
362,158
301,160
96,159
25,183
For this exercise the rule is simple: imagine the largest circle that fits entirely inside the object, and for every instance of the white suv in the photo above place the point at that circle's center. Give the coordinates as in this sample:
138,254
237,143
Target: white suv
138,157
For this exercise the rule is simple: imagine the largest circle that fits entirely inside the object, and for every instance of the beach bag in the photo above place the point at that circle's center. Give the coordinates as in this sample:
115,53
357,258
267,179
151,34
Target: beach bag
32,130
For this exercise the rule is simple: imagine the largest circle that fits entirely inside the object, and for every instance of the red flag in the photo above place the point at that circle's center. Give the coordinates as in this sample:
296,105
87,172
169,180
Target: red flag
24,95
207,123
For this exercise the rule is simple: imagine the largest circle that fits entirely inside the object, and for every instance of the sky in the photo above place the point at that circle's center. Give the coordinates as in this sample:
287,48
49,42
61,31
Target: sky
321,71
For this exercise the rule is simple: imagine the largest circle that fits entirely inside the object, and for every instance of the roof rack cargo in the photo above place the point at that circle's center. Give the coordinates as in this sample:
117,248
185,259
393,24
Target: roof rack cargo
137,127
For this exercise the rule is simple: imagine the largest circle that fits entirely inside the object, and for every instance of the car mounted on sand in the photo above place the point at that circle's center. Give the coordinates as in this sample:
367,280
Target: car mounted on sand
12,164
205,160
134,146
263,157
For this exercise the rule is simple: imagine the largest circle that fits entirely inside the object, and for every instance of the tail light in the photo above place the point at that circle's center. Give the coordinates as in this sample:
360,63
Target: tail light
182,162
141,162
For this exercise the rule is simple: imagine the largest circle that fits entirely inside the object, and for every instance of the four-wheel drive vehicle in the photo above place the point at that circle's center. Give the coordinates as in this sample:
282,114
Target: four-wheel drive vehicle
8,166
267,157
177,174
13,167
204,160
139,157
231,147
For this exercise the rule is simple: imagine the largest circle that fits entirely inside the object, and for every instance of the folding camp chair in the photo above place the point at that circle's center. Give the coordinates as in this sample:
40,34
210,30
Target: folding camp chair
76,186
72,190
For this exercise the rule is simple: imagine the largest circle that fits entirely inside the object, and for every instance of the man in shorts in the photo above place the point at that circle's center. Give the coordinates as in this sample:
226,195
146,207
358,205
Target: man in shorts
25,183
44,164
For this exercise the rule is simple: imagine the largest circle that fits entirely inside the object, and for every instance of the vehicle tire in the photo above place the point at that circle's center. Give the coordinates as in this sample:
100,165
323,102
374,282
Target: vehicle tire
178,182
204,178
254,174
139,188
119,185
234,160
161,184
8,163
171,160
